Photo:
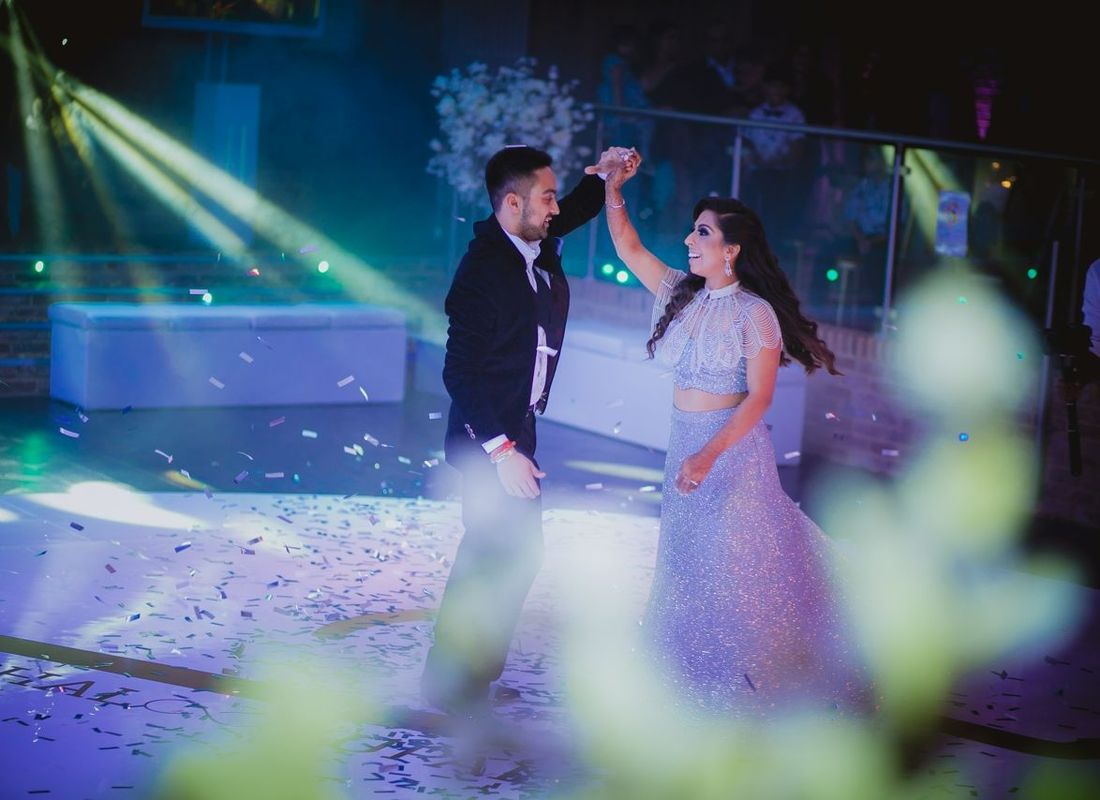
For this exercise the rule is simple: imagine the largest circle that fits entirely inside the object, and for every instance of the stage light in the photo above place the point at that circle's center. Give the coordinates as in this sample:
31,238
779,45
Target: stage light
39,266
1032,274
1006,184
208,298
322,267
832,275
608,269
622,276
111,120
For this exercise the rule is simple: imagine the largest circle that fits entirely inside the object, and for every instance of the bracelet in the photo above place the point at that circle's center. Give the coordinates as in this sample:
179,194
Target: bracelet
506,450
620,205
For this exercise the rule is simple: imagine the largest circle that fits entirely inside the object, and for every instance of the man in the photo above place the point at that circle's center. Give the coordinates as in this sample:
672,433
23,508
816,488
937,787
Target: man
1090,305
507,308
776,185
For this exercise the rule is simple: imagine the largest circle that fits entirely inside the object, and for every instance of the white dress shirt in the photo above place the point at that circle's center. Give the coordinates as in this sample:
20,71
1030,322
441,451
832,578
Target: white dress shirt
530,251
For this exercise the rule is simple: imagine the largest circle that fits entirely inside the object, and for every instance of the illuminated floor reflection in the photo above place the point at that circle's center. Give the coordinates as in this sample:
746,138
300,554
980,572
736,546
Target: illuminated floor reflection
216,586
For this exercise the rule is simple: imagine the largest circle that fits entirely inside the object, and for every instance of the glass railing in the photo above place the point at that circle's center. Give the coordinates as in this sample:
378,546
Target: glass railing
855,217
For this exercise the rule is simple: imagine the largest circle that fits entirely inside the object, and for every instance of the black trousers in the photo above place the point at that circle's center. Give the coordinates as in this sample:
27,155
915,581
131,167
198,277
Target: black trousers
497,560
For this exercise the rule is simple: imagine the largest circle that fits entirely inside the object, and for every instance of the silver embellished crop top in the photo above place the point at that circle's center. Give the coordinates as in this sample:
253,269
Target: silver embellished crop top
709,342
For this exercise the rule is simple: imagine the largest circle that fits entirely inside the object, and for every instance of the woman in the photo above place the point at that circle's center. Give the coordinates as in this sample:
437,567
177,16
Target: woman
742,617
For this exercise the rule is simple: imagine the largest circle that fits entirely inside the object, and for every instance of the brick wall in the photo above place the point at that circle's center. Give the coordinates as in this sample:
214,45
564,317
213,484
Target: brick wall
855,419
865,419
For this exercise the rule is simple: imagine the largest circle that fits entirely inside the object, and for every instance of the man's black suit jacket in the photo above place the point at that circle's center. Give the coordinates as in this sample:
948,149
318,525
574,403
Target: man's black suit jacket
493,330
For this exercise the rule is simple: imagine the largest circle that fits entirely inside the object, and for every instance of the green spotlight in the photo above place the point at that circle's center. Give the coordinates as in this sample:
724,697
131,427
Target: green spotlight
622,276
208,298
831,275
39,266
1032,274
607,269
322,267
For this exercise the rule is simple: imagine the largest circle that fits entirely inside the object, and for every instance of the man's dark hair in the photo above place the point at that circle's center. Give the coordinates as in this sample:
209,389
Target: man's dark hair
512,170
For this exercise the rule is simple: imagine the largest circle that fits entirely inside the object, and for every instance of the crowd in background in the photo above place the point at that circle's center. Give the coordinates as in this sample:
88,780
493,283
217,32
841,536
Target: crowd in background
825,197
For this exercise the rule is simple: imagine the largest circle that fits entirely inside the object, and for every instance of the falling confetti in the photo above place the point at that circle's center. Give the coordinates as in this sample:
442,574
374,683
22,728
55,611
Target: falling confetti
199,292
241,476
309,434
792,454
309,248
245,357
890,453
435,415
163,454
831,415
345,381
76,526
216,383
276,421
363,392
246,455
181,547
592,487
370,439
70,434
274,474
109,568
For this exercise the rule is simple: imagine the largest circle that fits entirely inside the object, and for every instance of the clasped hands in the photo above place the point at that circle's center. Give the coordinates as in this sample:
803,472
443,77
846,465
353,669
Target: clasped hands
618,163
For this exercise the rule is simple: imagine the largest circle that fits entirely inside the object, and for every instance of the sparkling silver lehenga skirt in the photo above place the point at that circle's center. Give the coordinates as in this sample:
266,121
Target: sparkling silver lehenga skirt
743,618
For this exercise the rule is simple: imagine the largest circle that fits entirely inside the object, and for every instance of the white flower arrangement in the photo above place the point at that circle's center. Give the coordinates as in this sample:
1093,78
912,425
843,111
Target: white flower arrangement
480,112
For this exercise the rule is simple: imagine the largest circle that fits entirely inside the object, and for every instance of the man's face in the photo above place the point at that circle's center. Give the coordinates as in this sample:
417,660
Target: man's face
776,93
540,206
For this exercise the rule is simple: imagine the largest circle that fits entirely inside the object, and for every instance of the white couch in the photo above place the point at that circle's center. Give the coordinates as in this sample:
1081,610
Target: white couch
606,384
114,355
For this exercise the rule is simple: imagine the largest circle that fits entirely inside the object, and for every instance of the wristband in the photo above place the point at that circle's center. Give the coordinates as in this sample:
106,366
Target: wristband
506,450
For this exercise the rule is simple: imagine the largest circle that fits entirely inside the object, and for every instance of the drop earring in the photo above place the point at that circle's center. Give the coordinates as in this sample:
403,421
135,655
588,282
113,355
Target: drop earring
729,268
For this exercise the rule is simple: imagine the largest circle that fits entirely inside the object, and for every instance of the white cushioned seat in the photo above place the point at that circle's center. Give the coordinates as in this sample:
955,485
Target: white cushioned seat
113,355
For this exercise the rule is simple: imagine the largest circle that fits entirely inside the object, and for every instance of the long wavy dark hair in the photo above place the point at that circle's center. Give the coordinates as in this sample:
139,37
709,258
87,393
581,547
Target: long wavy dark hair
758,271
